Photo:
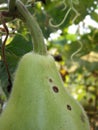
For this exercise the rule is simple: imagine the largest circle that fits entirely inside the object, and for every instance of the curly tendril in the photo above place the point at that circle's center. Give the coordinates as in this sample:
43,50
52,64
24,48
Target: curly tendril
70,3
57,25
77,51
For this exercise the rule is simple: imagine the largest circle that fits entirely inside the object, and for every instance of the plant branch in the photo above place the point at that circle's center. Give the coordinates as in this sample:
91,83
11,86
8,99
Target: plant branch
7,16
38,40
3,1
11,4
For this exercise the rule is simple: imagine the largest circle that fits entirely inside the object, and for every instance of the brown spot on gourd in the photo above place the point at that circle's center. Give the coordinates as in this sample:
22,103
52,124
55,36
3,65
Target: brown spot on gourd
82,117
50,80
69,107
55,89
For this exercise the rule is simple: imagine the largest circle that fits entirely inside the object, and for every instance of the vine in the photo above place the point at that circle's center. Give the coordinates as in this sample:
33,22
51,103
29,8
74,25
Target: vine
3,54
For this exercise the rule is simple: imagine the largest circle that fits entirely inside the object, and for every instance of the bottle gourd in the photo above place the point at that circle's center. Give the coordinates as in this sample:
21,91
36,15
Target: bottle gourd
39,100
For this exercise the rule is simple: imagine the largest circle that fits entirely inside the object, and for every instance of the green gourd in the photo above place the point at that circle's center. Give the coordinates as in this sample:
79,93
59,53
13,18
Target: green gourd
39,100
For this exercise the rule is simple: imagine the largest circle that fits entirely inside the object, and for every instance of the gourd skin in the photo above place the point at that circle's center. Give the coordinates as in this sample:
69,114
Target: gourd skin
39,100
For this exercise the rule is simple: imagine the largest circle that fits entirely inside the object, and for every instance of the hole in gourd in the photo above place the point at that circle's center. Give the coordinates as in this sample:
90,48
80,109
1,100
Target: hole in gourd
69,107
55,89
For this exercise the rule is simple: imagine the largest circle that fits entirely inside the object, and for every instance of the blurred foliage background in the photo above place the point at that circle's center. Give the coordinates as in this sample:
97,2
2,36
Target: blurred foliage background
70,29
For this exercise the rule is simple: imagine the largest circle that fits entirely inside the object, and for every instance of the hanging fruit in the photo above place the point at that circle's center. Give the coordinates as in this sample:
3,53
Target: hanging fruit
39,100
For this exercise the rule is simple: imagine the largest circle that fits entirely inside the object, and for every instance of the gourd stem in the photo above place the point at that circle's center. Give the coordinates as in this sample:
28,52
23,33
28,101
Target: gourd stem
38,40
